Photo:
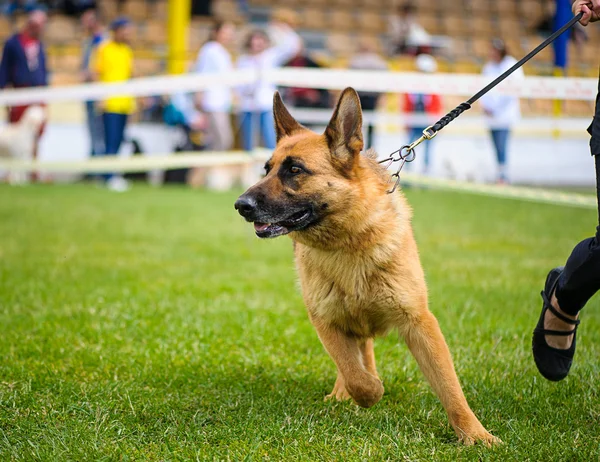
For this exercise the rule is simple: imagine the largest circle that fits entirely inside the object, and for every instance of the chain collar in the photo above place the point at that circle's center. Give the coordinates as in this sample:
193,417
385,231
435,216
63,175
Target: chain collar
406,154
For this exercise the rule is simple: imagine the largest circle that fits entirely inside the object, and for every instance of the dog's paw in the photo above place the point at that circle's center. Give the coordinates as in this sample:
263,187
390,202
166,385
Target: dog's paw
483,437
339,393
367,391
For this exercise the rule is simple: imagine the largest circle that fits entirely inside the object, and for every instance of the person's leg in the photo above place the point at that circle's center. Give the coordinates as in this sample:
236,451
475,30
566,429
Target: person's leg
580,279
224,122
576,283
112,136
96,129
267,128
221,140
90,119
122,124
500,139
247,126
116,181
566,292
220,131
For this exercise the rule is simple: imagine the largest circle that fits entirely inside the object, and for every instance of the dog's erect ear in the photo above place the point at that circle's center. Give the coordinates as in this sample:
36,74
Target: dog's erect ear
344,132
285,124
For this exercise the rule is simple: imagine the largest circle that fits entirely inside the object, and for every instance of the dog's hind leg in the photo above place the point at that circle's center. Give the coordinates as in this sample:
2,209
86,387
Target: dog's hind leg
426,342
353,377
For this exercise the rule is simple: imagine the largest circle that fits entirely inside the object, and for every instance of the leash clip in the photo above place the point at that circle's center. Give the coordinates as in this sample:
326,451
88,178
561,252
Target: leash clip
406,154
429,133
403,155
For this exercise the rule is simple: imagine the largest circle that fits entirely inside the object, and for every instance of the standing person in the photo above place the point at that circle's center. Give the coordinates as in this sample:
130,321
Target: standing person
94,31
368,59
256,99
114,63
216,101
502,110
569,288
405,33
24,64
422,109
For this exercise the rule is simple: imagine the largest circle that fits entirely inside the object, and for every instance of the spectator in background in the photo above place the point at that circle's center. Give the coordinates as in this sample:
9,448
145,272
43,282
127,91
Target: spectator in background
305,97
114,63
256,99
181,111
368,59
94,31
216,101
422,109
406,35
502,111
24,64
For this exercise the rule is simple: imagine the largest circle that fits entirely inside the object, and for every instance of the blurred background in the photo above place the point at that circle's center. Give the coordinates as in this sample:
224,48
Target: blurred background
539,141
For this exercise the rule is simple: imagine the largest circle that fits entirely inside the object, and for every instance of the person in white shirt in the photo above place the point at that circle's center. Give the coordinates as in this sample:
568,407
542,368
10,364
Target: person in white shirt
256,99
502,111
216,101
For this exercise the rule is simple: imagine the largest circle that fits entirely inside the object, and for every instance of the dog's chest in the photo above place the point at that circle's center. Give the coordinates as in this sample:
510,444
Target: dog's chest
348,292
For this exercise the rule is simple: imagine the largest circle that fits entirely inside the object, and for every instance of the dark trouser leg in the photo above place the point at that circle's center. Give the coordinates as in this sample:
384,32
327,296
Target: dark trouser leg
580,279
114,129
95,129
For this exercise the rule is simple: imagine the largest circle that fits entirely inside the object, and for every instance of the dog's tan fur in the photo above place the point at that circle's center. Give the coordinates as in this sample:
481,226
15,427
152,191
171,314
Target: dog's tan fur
359,267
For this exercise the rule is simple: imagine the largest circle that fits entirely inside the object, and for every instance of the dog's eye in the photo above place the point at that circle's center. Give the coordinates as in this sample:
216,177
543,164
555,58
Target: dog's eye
295,170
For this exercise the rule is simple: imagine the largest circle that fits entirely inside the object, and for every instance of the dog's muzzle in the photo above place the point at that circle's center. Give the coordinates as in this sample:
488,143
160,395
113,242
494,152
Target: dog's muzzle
246,206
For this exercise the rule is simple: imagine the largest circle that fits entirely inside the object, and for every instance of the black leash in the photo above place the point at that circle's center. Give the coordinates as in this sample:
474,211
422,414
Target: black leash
407,152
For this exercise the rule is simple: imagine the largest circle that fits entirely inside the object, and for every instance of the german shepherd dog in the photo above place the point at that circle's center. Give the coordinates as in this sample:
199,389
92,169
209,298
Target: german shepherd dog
355,253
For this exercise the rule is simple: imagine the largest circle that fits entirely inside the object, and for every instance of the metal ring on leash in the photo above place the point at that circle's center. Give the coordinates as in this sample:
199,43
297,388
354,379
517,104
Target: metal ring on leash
406,154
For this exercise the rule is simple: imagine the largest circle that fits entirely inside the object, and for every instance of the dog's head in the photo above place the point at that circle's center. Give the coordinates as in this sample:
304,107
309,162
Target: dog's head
312,181
33,118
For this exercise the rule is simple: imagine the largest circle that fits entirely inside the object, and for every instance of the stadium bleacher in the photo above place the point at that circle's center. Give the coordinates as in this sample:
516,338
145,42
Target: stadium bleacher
332,29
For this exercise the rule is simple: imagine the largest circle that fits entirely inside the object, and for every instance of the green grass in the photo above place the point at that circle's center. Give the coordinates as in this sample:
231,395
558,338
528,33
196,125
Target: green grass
153,325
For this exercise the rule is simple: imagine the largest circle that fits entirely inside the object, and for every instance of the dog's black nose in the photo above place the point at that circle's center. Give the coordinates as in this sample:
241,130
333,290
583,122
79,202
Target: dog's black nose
245,205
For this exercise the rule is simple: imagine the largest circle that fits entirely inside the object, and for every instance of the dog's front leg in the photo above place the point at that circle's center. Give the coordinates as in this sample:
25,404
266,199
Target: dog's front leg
353,378
426,342
367,351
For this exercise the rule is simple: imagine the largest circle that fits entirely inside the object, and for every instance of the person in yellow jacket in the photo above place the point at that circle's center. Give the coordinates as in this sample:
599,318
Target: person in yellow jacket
113,62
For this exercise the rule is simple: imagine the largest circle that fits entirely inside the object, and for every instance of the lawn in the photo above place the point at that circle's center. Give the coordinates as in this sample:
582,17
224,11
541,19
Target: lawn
153,325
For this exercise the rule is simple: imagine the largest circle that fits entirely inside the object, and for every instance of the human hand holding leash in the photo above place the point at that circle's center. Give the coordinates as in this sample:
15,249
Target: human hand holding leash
590,10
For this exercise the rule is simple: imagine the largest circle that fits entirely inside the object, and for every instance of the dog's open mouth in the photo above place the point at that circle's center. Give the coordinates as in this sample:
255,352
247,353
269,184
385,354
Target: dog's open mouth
292,223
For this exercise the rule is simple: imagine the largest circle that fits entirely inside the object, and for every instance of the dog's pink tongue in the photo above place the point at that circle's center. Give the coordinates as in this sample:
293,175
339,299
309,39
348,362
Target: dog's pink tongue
261,226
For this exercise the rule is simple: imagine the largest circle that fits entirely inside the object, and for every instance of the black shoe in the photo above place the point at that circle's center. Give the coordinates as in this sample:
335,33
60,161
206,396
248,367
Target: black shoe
553,363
